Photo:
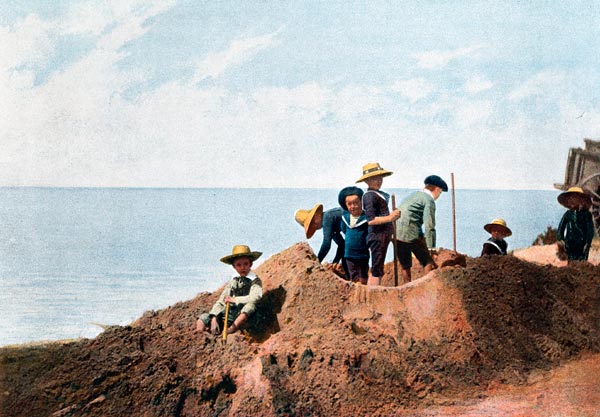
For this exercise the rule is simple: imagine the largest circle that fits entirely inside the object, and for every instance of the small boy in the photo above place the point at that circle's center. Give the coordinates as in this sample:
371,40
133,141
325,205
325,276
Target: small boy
355,229
576,228
375,205
419,211
242,293
496,245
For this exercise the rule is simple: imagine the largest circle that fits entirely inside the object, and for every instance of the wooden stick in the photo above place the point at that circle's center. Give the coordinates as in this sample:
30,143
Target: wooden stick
394,243
453,212
225,322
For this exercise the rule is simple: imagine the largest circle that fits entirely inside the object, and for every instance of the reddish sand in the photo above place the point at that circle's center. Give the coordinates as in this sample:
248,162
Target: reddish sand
501,336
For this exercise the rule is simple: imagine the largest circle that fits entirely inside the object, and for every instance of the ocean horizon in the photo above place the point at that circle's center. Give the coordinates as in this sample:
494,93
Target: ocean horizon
75,256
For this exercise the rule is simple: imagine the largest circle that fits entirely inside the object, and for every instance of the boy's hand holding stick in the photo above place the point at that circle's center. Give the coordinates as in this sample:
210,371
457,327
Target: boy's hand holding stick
226,317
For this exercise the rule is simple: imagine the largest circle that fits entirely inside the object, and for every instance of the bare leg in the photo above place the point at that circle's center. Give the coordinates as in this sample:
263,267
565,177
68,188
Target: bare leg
200,326
239,322
428,268
373,280
406,275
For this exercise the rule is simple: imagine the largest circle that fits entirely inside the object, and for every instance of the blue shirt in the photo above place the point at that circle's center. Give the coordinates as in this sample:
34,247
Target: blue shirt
356,237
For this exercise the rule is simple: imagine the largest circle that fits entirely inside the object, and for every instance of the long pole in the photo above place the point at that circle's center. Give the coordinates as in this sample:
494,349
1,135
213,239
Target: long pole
394,244
225,322
453,212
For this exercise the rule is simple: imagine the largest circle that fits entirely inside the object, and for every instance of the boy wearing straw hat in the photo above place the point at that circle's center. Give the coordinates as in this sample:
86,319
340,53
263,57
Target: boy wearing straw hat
375,206
419,212
496,245
330,221
242,293
576,228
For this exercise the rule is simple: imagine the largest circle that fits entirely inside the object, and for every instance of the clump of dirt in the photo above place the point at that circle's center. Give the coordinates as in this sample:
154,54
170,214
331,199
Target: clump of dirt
320,345
549,237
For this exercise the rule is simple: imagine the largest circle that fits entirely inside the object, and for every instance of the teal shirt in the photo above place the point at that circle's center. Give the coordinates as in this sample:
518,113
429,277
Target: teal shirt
417,213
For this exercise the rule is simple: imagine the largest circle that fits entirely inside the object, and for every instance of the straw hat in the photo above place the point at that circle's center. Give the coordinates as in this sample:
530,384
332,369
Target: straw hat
498,224
308,219
373,169
574,196
239,251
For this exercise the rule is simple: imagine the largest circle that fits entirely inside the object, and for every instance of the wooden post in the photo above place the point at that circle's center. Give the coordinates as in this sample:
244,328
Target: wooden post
453,213
394,243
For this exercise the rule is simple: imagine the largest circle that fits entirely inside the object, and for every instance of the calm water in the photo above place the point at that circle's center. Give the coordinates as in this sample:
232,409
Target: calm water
71,257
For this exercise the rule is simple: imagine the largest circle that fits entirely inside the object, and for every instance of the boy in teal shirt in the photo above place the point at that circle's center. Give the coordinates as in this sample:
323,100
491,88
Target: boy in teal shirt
418,211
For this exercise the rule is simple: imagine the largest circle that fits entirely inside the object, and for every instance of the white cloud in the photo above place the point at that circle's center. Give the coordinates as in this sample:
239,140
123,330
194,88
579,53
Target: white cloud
414,89
238,52
471,113
439,59
477,85
540,84
26,43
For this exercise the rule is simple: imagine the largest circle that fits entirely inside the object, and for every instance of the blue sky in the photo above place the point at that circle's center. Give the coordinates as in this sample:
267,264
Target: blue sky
295,94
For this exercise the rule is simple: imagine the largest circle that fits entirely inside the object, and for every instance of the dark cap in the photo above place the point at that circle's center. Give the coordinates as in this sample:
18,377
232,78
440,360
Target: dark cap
352,190
437,181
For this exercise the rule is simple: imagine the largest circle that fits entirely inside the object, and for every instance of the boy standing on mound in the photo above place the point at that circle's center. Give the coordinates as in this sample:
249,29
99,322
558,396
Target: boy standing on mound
496,245
576,227
418,211
242,293
375,205
355,228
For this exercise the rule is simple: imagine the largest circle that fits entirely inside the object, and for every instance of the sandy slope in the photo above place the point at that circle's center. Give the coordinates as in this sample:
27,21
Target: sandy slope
500,337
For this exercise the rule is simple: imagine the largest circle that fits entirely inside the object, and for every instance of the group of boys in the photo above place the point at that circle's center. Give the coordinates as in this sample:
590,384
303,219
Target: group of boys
367,225
362,227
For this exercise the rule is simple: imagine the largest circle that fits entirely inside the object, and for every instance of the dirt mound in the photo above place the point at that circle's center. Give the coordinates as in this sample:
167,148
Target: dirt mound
322,346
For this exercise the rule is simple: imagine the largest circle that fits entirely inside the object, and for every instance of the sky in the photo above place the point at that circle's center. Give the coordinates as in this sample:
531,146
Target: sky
195,93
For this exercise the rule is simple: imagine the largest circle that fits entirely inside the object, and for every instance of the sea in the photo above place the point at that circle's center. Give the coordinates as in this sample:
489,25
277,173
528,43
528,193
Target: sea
74,258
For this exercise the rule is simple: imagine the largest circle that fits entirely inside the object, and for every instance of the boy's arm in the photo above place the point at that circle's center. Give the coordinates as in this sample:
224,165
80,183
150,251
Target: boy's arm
371,211
219,306
589,228
339,252
560,233
327,236
429,223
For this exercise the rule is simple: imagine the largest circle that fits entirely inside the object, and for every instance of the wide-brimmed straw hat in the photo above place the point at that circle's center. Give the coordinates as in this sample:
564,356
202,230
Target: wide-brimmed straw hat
373,169
498,224
574,196
309,219
240,251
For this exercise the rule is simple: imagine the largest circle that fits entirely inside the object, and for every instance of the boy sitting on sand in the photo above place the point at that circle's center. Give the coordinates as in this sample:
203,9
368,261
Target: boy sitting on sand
496,245
242,293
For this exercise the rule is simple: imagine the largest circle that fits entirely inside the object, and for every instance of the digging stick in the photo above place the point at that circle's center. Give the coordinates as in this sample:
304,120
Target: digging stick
225,322
394,243
226,318
453,213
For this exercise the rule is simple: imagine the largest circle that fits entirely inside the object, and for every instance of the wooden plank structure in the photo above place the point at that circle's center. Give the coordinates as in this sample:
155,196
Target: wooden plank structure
583,170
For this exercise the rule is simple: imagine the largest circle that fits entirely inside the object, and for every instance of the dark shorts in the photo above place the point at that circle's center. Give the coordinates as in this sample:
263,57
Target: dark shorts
358,270
418,247
233,314
378,246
